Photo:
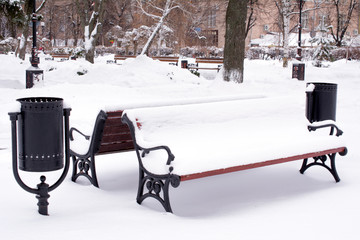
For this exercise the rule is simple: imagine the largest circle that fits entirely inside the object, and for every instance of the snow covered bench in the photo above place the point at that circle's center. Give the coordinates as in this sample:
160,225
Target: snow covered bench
170,60
111,135
122,57
180,143
218,61
61,56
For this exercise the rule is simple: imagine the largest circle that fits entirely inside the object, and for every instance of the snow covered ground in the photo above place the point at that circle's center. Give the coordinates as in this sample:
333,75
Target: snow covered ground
274,202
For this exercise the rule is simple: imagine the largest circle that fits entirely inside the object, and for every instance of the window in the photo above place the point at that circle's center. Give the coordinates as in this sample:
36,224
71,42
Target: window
342,19
212,18
305,20
212,38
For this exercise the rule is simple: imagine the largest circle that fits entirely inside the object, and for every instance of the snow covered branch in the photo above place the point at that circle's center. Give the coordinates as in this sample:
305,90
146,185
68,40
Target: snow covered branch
41,6
164,12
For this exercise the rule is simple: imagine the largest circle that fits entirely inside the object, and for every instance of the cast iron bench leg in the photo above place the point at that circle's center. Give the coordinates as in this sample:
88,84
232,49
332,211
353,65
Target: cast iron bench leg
156,186
321,161
81,167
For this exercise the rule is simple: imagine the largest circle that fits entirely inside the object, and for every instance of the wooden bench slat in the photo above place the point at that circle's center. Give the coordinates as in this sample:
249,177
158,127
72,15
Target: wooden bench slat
110,138
210,60
203,68
114,113
259,164
112,122
116,147
115,129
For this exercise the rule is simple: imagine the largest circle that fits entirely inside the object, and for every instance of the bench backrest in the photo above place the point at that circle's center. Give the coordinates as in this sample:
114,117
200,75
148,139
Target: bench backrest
60,55
123,57
116,135
167,59
210,60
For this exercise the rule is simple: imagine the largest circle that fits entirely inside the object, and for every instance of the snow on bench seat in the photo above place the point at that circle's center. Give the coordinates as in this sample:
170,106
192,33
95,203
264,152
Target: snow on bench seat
200,140
113,136
205,137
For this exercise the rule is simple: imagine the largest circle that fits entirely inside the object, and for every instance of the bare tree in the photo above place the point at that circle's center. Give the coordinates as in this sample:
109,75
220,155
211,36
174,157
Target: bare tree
251,15
234,51
344,10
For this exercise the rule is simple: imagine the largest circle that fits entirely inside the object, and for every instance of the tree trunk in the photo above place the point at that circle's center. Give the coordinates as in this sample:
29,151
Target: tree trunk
151,38
234,50
286,20
92,29
28,8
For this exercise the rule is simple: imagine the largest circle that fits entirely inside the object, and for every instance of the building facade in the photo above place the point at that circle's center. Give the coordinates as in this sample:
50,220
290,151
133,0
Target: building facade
198,23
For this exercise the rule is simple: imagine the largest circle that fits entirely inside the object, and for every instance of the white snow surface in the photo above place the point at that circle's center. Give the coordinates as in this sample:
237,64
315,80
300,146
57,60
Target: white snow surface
274,202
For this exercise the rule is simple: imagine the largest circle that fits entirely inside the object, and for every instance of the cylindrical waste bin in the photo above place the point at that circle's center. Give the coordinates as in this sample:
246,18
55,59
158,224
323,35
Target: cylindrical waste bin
298,71
321,101
41,134
184,64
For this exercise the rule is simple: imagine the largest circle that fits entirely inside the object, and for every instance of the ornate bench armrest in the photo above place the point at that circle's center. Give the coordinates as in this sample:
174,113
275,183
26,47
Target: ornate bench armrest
171,156
324,124
75,129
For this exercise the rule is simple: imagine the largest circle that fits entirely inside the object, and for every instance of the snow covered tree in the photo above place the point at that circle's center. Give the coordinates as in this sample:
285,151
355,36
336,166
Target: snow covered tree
133,37
323,49
287,9
158,13
11,17
92,16
234,50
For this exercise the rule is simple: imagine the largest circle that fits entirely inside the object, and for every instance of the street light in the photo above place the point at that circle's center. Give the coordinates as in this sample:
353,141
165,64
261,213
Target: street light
301,3
34,73
38,144
298,70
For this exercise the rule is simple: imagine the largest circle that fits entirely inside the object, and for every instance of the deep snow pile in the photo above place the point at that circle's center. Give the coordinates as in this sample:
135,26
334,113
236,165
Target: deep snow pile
267,203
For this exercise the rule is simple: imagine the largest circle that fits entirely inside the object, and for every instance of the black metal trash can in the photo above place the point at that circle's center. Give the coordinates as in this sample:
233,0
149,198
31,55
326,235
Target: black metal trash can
298,71
184,64
41,134
33,75
321,102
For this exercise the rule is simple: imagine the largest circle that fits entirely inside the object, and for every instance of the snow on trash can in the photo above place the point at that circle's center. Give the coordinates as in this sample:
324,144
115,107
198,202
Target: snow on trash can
321,101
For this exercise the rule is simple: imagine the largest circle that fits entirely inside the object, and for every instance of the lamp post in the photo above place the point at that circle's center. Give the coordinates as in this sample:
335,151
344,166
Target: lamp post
34,73
301,3
298,70
38,144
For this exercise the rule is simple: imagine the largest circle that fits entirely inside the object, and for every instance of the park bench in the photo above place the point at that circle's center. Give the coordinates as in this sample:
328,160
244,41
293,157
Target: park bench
122,57
111,135
218,61
61,56
181,143
170,60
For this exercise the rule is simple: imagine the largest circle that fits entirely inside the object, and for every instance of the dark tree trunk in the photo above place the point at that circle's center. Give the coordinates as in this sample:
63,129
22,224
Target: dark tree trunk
234,50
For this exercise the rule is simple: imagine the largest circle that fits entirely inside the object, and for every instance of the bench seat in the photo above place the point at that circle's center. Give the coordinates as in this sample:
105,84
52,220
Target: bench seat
179,143
229,144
